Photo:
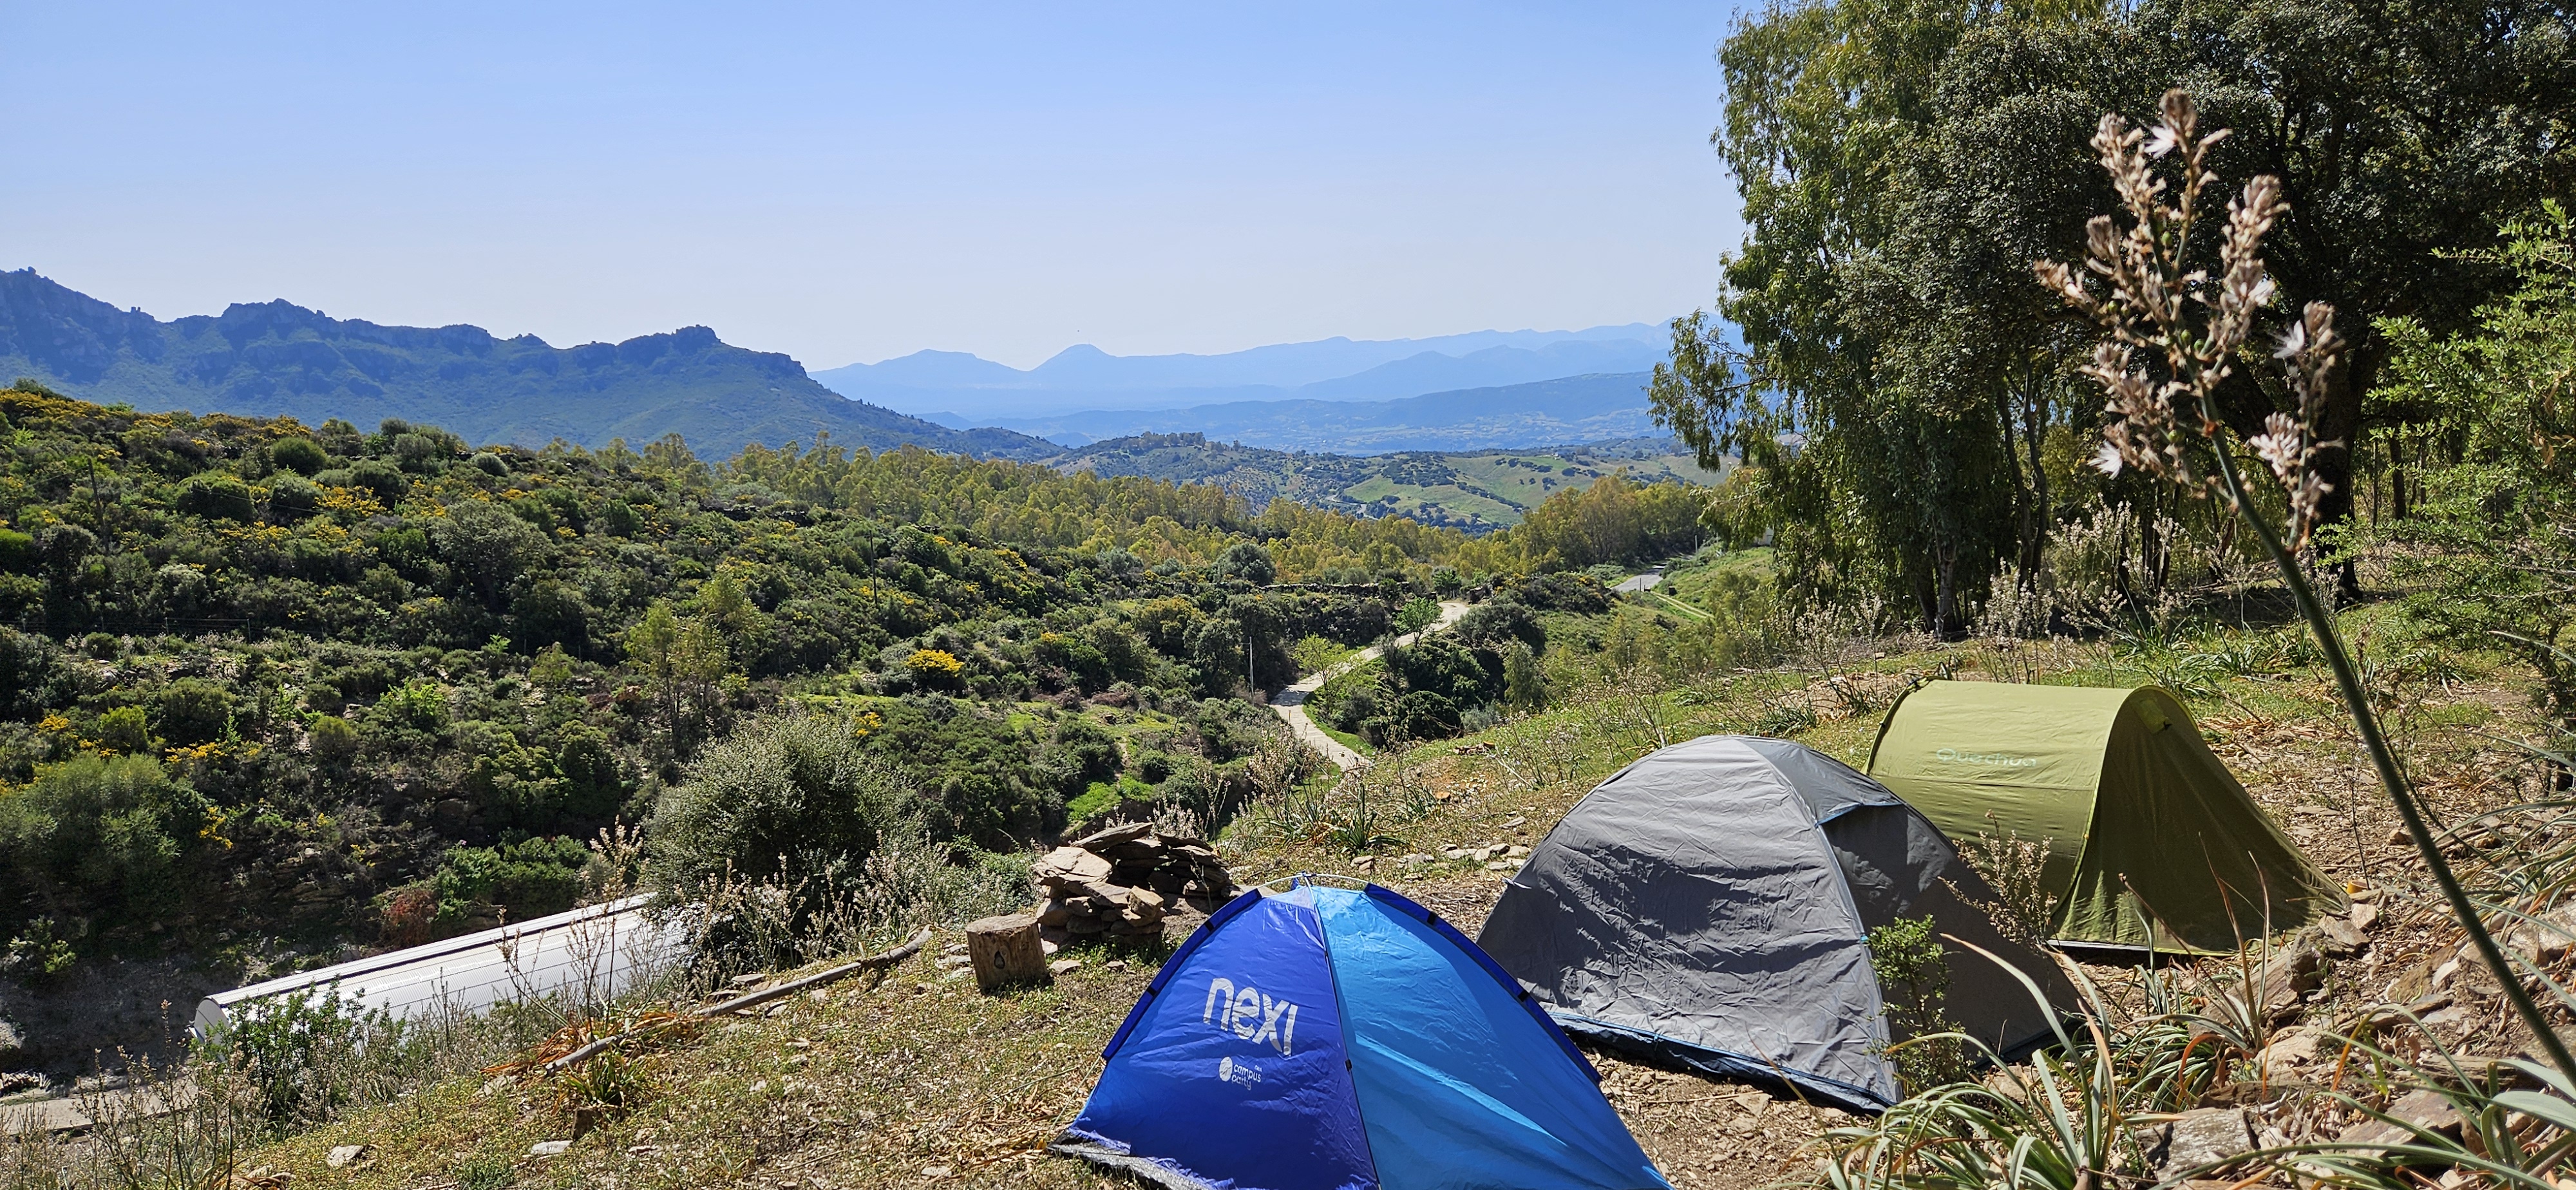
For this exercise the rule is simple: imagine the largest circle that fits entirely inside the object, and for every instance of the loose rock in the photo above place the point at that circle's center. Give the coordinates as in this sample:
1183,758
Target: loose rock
2425,1109
2202,1138
2340,937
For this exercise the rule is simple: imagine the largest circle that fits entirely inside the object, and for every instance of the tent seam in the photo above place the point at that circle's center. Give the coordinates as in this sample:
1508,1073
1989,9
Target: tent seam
1842,890
1350,1051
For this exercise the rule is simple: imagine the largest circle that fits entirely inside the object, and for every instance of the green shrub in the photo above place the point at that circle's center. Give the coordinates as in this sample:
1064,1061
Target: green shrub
32,674
420,705
299,1052
195,711
291,499
1084,753
302,456
1247,561
334,739
529,878
380,480
125,730
621,519
1914,981
785,795
974,770
100,834
37,955
217,497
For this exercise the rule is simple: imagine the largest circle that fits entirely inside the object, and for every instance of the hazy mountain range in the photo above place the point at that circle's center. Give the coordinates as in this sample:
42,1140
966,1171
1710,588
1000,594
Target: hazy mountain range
957,389
1482,391
1586,408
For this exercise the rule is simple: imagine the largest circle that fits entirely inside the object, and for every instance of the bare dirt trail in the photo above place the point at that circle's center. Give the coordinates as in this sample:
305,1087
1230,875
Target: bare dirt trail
1290,704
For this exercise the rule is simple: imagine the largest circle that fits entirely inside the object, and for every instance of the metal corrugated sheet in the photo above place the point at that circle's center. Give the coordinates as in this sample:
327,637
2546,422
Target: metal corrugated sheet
594,952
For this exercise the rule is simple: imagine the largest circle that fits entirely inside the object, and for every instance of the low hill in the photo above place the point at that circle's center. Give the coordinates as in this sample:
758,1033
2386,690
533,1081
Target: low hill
280,359
1477,491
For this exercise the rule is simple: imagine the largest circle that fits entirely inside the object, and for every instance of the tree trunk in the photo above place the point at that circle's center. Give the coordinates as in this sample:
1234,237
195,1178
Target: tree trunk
1945,612
2033,438
2340,422
1006,951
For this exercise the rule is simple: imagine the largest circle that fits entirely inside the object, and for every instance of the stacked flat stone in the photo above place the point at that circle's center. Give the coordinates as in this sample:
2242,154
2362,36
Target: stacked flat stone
1119,882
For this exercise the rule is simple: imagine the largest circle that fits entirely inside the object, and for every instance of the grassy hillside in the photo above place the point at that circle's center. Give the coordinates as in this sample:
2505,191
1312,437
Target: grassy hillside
277,359
920,1079
1475,492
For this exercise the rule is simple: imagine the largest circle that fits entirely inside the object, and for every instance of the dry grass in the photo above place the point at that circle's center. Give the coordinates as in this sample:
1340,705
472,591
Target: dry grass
919,1079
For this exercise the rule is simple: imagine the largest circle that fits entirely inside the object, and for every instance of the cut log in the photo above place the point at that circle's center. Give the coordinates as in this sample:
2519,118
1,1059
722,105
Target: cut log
1006,951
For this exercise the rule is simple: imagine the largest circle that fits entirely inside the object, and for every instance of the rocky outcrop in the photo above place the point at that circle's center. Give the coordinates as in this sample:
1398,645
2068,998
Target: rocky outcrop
1119,883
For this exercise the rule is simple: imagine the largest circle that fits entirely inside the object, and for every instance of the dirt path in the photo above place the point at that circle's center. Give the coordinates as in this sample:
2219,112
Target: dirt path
1290,704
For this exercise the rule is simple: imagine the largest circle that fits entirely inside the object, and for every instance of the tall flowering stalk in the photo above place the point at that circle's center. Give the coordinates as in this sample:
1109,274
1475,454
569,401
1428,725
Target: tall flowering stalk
2171,336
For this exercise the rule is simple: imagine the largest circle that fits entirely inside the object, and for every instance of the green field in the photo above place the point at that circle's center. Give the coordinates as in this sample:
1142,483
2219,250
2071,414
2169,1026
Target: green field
1478,492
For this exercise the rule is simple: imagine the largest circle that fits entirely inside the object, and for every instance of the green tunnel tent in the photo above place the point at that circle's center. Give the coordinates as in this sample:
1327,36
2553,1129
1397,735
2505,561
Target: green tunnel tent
2152,842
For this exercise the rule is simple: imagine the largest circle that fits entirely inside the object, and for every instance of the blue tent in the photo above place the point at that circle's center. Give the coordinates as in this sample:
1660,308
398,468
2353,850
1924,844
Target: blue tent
1331,1039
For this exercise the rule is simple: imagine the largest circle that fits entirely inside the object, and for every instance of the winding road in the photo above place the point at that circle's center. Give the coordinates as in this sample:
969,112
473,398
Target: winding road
1290,704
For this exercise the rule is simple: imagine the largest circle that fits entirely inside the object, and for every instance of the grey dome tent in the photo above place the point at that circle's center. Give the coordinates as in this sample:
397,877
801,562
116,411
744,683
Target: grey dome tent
1709,905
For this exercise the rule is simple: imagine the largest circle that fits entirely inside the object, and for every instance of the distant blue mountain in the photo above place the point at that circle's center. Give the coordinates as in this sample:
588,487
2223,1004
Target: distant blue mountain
955,388
1511,417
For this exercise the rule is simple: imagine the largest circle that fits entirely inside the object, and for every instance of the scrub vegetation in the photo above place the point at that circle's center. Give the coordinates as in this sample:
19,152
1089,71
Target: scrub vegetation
2289,436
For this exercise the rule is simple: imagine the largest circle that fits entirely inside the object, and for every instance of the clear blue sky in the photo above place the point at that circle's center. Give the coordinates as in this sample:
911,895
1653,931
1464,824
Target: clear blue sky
847,183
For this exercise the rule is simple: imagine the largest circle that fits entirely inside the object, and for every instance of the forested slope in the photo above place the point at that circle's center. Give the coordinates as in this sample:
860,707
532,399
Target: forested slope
270,685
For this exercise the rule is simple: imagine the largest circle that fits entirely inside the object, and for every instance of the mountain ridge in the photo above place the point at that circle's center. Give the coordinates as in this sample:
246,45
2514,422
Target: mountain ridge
1082,377
277,358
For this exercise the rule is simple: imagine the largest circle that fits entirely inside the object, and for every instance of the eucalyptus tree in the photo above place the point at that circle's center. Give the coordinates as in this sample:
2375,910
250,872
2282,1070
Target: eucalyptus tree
1892,396
1902,162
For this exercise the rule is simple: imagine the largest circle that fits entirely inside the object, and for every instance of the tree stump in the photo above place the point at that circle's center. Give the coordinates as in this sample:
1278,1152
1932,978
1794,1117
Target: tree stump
1006,951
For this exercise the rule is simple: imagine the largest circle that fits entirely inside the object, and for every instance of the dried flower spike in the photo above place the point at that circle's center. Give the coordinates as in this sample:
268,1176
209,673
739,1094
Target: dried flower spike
2165,422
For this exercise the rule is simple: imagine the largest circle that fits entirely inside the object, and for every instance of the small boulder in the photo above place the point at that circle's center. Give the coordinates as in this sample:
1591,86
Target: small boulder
2202,1140
1070,866
2425,1109
2285,978
2294,1047
345,1156
549,1148
2338,936
1064,966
